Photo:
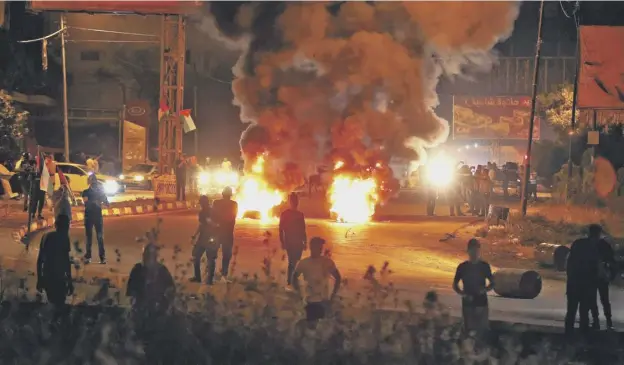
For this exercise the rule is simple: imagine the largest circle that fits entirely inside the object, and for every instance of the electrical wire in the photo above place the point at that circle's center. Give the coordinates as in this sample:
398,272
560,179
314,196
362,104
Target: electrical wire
43,38
218,80
106,41
114,32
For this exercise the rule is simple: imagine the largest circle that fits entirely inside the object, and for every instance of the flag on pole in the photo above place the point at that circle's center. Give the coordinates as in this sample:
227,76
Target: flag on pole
44,183
62,177
187,121
163,110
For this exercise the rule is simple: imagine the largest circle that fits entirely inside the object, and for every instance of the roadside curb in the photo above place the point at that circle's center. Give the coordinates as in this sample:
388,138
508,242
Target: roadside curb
20,234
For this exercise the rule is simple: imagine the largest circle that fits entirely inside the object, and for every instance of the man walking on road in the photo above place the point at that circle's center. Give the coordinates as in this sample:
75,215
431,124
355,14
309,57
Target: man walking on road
606,273
93,198
54,265
224,212
473,275
292,234
205,241
316,270
581,286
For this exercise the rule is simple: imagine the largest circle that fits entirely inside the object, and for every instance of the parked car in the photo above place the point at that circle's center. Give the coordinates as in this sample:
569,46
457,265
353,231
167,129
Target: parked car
139,176
78,175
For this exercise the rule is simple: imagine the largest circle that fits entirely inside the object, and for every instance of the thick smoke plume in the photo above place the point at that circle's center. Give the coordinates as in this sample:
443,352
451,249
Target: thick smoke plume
350,81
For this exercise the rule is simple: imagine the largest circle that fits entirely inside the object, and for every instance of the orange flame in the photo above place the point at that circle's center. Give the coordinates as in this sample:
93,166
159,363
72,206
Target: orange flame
255,195
353,200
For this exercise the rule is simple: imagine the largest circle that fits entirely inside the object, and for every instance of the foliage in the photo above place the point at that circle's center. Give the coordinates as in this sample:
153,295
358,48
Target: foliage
549,156
13,126
557,107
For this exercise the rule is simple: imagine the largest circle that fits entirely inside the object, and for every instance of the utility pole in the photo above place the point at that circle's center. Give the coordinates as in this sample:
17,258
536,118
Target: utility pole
196,134
577,23
65,117
527,167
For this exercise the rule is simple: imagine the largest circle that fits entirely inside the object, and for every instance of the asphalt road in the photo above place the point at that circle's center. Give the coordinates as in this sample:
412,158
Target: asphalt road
418,261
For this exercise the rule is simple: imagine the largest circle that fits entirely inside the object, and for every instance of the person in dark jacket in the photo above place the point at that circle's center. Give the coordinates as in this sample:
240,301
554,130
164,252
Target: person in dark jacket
180,172
606,273
93,198
54,265
204,238
582,273
224,211
150,284
292,234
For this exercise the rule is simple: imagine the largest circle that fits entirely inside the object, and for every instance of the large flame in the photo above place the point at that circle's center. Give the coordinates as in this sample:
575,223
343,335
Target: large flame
353,199
255,194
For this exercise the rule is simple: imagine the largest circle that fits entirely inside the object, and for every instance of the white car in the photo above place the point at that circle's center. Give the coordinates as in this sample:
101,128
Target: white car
140,176
78,176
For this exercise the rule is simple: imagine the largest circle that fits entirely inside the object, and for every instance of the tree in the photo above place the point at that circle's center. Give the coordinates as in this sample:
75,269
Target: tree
13,126
556,106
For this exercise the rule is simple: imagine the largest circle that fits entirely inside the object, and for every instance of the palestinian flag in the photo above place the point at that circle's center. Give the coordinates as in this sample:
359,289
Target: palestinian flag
187,121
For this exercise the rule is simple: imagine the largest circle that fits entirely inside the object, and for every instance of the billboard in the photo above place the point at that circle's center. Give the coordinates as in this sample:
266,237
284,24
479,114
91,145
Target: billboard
139,7
498,117
600,82
134,145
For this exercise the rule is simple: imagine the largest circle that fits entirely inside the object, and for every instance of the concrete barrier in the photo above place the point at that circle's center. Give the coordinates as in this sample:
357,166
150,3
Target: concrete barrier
517,283
552,255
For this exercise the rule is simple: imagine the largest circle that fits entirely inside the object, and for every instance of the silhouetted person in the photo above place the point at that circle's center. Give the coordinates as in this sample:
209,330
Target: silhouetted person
582,272
180,172
150,284
473,275
93,199
25,169
292,234
54,265
606,273
316,270
205,240
224,212
454,196
37,196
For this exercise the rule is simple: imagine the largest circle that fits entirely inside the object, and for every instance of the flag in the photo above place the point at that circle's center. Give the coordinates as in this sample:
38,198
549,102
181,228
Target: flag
187,121
163,109
44,183
62,177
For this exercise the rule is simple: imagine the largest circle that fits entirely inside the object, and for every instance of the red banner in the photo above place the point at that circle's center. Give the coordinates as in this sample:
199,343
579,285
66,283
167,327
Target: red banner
139,7
498,117
600,82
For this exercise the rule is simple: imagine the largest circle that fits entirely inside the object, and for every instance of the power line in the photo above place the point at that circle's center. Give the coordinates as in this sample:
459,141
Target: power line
43,38
114,32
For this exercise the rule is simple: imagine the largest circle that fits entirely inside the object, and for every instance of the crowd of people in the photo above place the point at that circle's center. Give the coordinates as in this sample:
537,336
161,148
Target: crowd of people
474,188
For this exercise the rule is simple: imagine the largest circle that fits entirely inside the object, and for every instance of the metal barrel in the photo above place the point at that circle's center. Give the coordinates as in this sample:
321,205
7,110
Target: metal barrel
517,283
552,255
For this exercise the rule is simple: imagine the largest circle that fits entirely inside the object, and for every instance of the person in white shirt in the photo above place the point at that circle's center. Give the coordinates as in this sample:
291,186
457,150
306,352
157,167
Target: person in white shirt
5,175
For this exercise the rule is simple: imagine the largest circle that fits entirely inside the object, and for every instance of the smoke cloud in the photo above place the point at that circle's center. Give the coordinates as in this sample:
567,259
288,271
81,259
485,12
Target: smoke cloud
350,81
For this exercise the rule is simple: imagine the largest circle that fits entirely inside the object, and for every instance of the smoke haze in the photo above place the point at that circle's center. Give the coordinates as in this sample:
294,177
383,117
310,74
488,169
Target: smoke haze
352,81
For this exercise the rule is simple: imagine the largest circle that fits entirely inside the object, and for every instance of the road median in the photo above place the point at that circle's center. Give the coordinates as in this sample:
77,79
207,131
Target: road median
119,210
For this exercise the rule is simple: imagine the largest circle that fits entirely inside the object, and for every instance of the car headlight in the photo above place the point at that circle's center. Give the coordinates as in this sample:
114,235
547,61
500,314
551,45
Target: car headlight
139,178
111,187
121,177
203,177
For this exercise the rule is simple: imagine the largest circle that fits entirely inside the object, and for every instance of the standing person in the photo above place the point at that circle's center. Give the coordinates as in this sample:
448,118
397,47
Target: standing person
25,170
150,284
93,198
205,241
316,270
473,274
506,173
485,192
581,285
5,176
454,196
54,265
180,172
224,211
292,234
606,273
37,195
62,202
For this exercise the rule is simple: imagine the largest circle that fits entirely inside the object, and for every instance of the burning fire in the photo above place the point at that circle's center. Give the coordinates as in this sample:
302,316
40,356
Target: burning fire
353,199
255,195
